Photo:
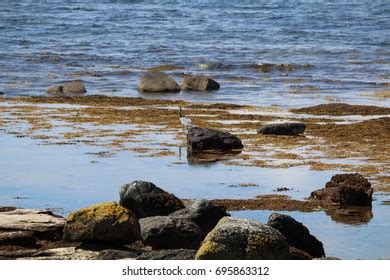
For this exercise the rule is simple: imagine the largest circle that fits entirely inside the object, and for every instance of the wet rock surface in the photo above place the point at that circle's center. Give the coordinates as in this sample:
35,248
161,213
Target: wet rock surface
165,232
145,199
199,83
156,81
172,254
346,189
283,129
203,213
242,239
106,222
72,87
200,139
296,234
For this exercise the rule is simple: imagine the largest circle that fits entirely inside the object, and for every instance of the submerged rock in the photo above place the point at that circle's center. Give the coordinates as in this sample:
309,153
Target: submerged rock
198,83
209,139
106,222
171,254
203,213
73,87
346,189
156,81
242,239
297,235
145,199
44,224
283,129
165,232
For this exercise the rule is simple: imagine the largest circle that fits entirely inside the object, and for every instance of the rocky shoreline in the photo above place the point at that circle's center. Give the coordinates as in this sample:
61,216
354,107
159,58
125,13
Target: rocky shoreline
150,223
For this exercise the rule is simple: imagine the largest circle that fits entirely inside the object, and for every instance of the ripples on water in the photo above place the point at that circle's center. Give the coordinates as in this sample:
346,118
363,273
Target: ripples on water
315,52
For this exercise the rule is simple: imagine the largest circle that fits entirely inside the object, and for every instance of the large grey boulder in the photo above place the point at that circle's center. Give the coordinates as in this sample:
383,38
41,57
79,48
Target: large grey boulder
200,139
72,87
156,81
346,189
145,199
198,83
297,235
165,232
203,213
243,239
283,129
106,222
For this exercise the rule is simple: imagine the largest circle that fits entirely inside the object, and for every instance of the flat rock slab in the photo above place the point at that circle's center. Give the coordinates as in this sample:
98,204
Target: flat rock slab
67,253
30,220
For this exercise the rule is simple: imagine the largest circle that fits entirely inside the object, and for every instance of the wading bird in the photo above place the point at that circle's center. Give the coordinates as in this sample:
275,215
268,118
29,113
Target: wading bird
186,122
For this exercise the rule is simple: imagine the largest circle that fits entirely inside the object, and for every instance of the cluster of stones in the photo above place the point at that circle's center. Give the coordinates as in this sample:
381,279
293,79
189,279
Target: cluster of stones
162,224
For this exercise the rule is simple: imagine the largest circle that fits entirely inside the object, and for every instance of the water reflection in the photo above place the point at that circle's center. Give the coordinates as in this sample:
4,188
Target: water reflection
351,215
209,157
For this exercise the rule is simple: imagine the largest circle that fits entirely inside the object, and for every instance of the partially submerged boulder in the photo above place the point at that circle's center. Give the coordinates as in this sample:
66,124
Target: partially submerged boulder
199,83
145,199
165,232
156,81
72,87
283,129
297,235
44,224
107,222
243,239
200,139
346,189
203,213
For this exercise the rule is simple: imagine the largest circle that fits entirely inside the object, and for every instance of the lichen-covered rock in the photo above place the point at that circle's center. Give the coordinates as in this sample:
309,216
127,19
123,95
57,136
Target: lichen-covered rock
106,222
283,129
198,83
72,87
165,232
156,81
297,235
200,139
171,254
242,239
203,213
346,189
145,199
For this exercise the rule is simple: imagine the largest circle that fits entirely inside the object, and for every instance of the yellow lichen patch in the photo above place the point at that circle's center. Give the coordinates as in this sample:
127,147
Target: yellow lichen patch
101,210
208,250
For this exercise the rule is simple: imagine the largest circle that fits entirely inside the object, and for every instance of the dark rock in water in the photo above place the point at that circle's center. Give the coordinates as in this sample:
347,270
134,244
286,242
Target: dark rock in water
116,255
165,232
283,129
297,234
145,199
203,213
2,93
72,87
210,139
172,254
45,225
346,189
156,81
296,254
198,83
243,239
106,222
18,238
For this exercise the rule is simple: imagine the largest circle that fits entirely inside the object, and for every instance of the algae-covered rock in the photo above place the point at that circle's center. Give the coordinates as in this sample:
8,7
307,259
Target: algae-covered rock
243,239
106,222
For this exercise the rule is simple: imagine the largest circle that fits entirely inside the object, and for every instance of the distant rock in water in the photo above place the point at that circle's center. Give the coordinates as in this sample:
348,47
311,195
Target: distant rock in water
243,239
283,129
346,189
166,232
203,213
73,87
199,83
209,139
2,93
156,81
297,234
105,222
145,199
